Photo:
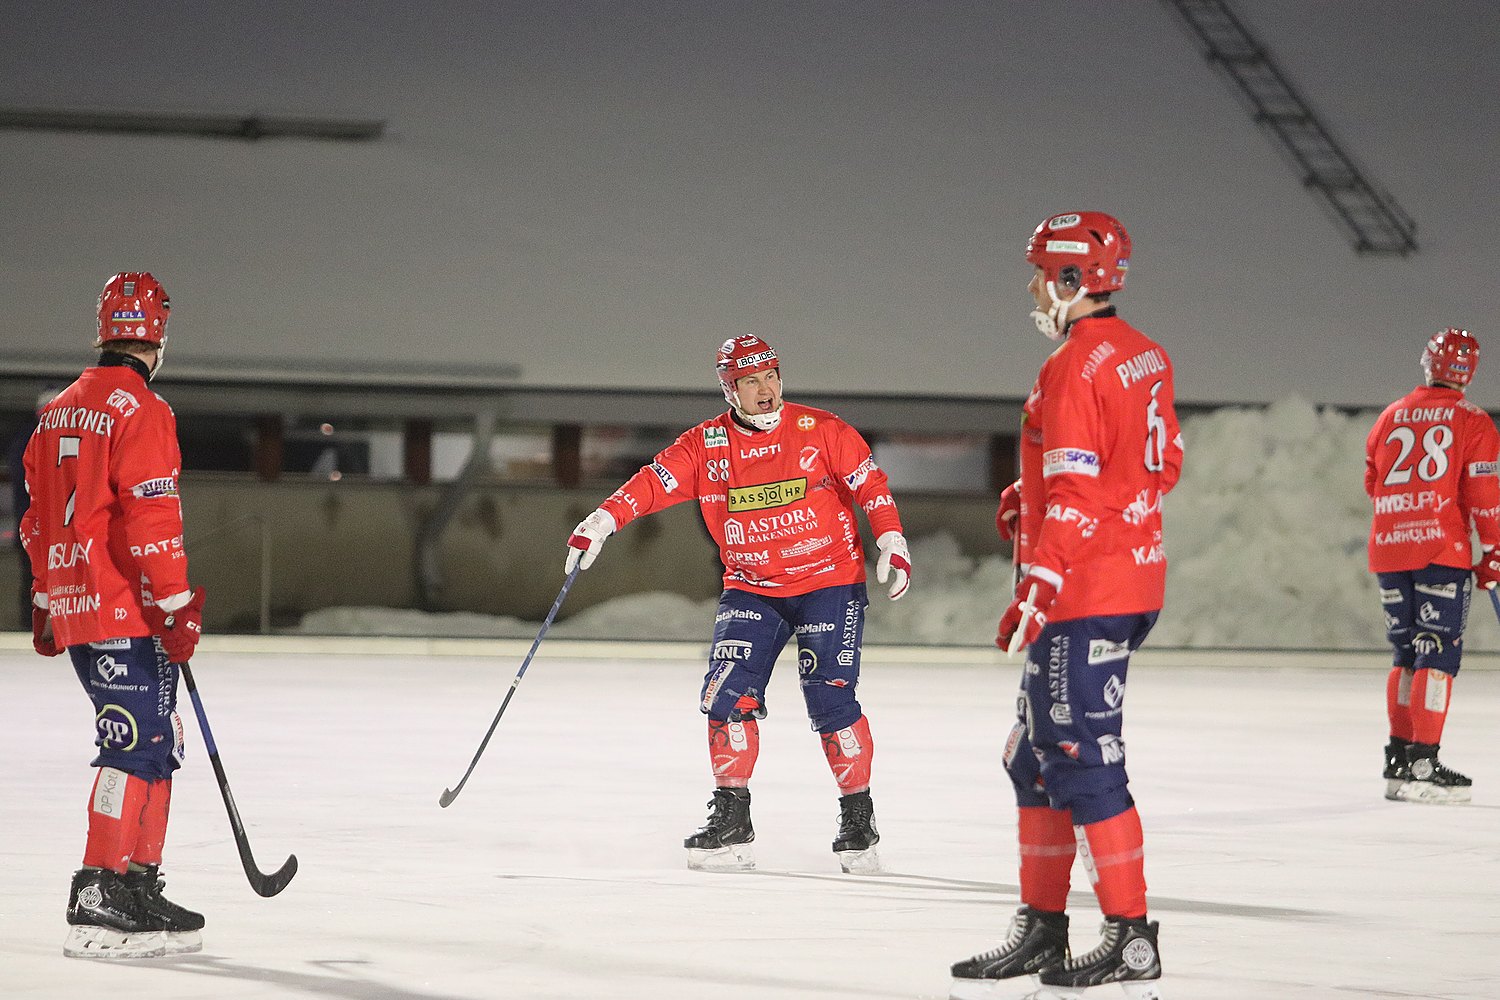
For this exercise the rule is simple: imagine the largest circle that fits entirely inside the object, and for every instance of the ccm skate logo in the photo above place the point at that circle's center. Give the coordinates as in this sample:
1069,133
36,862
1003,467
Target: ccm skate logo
158,548
62,555
766,495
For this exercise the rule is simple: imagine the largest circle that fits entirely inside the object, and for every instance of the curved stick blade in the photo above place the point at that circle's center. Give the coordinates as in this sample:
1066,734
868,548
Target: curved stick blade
270,885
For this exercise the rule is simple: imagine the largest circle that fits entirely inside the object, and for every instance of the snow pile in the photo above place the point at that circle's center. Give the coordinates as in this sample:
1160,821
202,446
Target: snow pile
1265,535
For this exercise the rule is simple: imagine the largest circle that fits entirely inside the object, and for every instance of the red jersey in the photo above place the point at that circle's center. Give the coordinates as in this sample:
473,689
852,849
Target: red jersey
1430,469
779,503
1100,448
104,529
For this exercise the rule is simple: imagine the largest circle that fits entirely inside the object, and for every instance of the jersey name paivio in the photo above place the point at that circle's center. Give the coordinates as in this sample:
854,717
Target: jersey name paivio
1100,448
104,529
779,503
1430,471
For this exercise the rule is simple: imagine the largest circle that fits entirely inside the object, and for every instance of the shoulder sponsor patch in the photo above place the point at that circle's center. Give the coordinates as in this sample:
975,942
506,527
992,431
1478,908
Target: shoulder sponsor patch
1483,468
668,481
861,472
153,489
1059,461
764,496
715,437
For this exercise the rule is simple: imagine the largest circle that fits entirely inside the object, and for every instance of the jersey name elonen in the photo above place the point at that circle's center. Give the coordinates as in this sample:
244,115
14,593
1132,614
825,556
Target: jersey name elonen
1422,414
71,418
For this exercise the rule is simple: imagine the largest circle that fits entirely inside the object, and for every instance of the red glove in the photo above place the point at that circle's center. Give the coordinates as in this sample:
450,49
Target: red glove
1027,614
41,632
179,630
1009,512
1487,572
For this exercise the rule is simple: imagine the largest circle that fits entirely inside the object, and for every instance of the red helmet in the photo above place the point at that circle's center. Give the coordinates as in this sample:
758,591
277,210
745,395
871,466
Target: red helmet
133,306
741,356
1451,356
1081,250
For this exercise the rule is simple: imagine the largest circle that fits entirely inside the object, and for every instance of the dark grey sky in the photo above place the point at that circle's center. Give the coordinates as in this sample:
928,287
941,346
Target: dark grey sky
601,192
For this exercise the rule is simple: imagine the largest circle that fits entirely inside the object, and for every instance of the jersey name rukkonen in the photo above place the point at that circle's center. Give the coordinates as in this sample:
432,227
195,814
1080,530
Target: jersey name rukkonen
104,529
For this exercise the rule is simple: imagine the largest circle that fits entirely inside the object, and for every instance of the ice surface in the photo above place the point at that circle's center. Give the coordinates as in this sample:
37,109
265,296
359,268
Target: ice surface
1276,868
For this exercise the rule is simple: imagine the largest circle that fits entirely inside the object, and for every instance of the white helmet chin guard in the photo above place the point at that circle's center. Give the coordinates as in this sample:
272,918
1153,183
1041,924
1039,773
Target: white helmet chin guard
1053,322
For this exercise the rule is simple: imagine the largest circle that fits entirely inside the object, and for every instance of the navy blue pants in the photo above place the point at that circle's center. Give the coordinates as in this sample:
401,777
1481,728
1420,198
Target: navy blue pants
1065,750
1426,611
750,631
134,691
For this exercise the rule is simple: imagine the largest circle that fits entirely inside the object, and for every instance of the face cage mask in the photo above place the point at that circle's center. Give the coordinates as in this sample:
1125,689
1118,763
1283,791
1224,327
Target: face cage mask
1052,322
760,421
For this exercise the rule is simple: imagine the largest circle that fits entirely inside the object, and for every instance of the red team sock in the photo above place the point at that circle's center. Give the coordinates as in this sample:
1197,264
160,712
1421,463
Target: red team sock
154,823
1431,691
1116,860
115,808
1398,702
732,749
1047,850
849,752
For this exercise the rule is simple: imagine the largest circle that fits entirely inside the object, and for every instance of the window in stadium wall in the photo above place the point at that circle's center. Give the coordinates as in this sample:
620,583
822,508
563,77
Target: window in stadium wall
614,454
947,463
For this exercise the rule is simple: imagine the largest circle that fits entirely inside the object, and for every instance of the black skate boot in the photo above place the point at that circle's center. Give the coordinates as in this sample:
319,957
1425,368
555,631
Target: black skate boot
180,924
1037,940
857,836
1396,772
108,921
1126,954
723,843
1428,780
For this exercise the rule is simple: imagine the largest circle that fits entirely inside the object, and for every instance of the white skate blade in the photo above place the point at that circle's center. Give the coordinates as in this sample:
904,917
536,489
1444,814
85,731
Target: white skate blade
1430,794
184,942
93,941
734,858
1139,990
866,862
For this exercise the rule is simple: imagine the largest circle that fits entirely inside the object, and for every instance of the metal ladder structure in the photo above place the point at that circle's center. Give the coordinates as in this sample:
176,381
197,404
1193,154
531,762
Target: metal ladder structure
1374,222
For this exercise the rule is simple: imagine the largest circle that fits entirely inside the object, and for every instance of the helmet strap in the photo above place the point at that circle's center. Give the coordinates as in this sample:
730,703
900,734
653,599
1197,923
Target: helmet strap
1053,322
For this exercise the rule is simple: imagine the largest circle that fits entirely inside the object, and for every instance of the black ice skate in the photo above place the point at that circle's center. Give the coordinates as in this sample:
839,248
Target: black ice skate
723,843
857,836
1037,940
1428,780
180,924
1126,954
108,921
1396,772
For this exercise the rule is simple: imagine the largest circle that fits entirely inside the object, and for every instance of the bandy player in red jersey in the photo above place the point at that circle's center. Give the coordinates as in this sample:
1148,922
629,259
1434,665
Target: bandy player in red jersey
1430,471
1100,449
110,586
777,484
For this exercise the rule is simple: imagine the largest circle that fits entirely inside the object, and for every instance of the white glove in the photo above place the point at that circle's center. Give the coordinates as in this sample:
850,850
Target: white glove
588,538
893,555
